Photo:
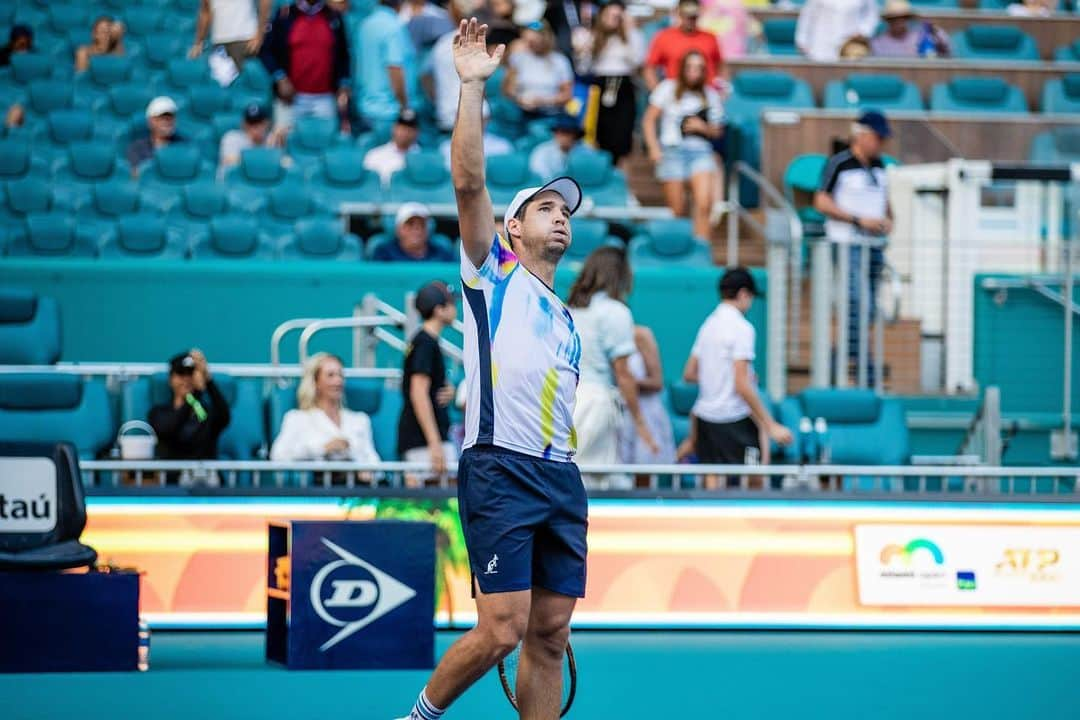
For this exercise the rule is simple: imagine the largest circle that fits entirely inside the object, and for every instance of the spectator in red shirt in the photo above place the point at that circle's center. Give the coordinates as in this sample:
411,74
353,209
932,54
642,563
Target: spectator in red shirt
671,45
306,52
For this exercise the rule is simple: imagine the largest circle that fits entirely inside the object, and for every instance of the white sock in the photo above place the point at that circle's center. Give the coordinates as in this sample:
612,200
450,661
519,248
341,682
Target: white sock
424,709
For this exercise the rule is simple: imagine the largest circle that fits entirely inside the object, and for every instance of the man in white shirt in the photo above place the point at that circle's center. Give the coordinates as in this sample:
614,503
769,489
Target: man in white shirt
233,25
725,419
549,158
254,132
385,160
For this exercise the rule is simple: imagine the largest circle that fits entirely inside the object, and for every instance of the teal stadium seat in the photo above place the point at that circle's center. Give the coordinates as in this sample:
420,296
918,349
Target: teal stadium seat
669,242
105,72
159,49
309,140
754,91
993,42
601,182
259,171
779,36
28,67
587,235
1068,53
51,235
1059,146
1062,96
44,97
170,169
253,85
535,134
878,92
977,95
285,206
122,105
245,436
507,174
26,197
181,75
37,407
29,328
196,205
681,397
423,179
802,176
108,203
62,16
368,395
233,237
143,235
321,239
143,20
863,428
205,100
86,165
63,129
342,177
18,162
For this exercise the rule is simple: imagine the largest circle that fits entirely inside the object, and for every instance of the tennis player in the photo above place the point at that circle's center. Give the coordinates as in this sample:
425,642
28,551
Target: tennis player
522,503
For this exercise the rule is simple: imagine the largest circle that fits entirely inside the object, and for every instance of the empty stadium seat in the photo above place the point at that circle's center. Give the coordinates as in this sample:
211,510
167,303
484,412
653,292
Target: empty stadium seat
1068,53
1056,147
507,174
196,205
171,168
17,162
1062,96
86,165
310,139
878,92
233,237
107,204
253,85
342,177
56,408
321,239
669,242
779,36
62,16
105,72
50,235
259,170
803,175
181,75
25,197
45,96
285,206
159,49
977,95
206,100
681,397
371,396
601,183
64,128
993,42
29,328
143,235
245,436
587,235
863,428
423,179
28,67
143,20
122,104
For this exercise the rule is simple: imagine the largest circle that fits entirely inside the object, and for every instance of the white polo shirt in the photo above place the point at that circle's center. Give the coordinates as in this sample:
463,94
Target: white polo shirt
724,337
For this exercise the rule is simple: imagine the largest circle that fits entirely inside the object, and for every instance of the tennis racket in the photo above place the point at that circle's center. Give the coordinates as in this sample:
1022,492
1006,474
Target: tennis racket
508,670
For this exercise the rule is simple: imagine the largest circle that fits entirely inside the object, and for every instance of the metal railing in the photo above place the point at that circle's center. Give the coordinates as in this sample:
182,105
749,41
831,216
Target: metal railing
791,481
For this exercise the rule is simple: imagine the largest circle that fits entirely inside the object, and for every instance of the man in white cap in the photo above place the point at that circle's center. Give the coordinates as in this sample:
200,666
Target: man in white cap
161,121
412,242
523,506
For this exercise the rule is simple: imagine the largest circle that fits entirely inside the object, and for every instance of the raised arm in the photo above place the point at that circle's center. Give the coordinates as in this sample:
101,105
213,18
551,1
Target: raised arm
474,66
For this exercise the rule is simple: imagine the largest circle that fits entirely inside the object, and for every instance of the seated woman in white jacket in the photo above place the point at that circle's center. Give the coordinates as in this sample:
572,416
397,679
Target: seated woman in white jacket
322,428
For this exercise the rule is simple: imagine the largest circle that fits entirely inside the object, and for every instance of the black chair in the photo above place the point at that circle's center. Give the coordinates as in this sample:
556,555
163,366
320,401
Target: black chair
42,508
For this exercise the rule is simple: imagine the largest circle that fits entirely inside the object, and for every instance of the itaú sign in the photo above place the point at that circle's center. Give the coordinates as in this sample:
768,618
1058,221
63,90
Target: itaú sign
27,495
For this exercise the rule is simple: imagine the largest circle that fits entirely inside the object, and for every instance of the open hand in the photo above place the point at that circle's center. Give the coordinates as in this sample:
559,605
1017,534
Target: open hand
472,59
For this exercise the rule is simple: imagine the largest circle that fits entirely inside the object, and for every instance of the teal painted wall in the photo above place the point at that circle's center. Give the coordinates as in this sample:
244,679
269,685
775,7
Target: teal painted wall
140,311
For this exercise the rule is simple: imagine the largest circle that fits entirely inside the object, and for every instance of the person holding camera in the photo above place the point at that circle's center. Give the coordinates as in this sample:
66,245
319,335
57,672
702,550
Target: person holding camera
106,38
189,425
683,120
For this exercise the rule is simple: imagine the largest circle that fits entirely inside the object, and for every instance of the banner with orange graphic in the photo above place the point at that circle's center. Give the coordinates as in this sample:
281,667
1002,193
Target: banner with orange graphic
699,563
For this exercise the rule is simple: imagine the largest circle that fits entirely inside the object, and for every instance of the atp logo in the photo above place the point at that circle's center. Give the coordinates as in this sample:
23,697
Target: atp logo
350,593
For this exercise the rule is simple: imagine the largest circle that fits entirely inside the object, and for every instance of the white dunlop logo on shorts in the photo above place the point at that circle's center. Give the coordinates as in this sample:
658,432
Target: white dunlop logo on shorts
492,565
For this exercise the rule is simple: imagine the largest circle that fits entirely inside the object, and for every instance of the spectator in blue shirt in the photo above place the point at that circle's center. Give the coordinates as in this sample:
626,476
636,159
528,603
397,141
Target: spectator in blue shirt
412,242
386,65
549,158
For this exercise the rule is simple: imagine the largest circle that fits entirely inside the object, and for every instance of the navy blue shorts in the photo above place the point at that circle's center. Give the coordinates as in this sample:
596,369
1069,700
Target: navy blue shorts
524,520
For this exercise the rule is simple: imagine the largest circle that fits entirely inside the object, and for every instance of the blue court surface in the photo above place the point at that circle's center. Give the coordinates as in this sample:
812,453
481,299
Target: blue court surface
765,675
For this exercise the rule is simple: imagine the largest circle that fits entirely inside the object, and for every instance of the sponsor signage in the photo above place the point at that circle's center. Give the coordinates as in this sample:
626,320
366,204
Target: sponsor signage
27,495
968,565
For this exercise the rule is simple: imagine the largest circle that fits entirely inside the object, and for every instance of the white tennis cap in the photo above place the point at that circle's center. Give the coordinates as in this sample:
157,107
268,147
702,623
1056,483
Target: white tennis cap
565,186
161,105
410,210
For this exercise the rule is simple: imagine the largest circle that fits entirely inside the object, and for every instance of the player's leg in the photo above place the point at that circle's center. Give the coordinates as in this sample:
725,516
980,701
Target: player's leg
502,622
539,679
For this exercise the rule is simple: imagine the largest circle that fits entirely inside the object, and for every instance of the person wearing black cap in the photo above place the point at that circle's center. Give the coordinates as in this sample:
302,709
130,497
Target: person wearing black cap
424,425
254,132
854,197
728,413
189,425
549,158
20,40
387,159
